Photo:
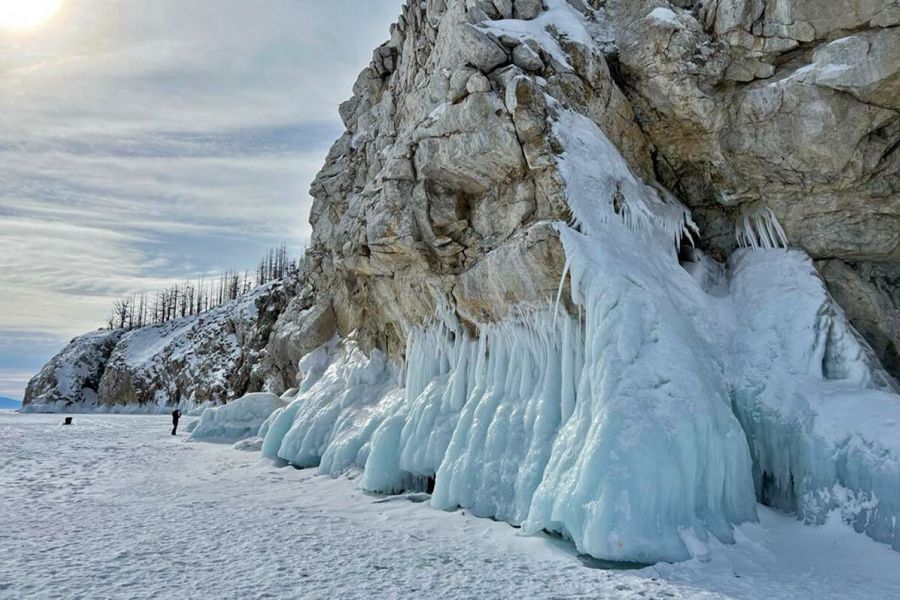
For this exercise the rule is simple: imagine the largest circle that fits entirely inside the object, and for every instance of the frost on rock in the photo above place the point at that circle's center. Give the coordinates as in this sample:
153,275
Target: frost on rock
236,420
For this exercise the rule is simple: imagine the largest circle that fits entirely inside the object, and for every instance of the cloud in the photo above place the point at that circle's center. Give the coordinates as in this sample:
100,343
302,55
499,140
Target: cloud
147,142
21,355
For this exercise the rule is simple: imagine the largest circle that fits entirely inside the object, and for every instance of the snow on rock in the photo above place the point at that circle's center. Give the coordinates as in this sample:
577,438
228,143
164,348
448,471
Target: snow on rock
559,20
72,376
187,362
663,15
236,420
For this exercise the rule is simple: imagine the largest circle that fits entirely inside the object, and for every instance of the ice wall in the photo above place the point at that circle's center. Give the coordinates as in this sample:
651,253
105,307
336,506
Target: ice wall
343,398
652,458
522,386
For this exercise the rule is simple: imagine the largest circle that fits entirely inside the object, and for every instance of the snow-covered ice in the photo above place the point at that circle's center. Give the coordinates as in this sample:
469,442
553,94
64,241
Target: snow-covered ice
115,507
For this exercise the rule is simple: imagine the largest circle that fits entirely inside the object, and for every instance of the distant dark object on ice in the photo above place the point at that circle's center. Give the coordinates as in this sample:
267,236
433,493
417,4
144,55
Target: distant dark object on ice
68,421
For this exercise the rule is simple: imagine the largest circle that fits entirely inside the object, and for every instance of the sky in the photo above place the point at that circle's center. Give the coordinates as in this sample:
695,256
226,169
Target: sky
146,142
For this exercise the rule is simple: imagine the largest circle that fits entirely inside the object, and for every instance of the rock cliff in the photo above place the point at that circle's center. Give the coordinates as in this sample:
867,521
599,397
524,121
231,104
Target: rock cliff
441,186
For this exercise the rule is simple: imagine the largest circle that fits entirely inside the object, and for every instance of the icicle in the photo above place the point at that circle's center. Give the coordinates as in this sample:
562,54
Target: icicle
559,291
759,229
601,188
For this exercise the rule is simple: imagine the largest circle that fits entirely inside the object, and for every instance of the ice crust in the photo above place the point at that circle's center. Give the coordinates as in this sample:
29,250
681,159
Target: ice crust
237,420
641,427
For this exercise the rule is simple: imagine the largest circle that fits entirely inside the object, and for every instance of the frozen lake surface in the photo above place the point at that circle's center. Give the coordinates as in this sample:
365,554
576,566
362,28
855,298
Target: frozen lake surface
114,507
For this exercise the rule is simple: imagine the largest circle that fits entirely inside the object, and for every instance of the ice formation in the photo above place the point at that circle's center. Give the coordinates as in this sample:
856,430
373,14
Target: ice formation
650,421
759,228
236,420
820,419
613,193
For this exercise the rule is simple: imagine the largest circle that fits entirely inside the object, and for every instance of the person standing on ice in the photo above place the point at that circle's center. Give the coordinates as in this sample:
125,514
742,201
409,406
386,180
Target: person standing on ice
176,414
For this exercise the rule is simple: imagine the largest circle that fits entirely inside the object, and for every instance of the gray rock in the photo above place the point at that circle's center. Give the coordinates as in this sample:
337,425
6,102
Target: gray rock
527,59
870,293
478,84
528,9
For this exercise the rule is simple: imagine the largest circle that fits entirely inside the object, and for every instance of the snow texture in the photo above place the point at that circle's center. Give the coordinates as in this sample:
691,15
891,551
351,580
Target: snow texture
115,507
236,420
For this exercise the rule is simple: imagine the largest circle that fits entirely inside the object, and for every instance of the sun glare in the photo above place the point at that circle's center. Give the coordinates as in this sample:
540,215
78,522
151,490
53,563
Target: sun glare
27,14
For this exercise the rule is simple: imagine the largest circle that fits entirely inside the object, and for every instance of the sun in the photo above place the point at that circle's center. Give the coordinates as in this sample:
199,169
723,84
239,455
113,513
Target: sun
27,14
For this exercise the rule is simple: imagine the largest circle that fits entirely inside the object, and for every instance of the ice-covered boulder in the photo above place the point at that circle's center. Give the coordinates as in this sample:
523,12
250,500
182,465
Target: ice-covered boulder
236,420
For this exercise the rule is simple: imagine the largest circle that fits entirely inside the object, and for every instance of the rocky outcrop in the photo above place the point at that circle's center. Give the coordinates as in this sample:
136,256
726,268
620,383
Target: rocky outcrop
787,104
870,294
213,357
736,106
437,192
73,375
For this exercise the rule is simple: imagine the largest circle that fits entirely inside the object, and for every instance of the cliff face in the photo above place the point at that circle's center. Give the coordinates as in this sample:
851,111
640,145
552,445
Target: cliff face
438,190
441,191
